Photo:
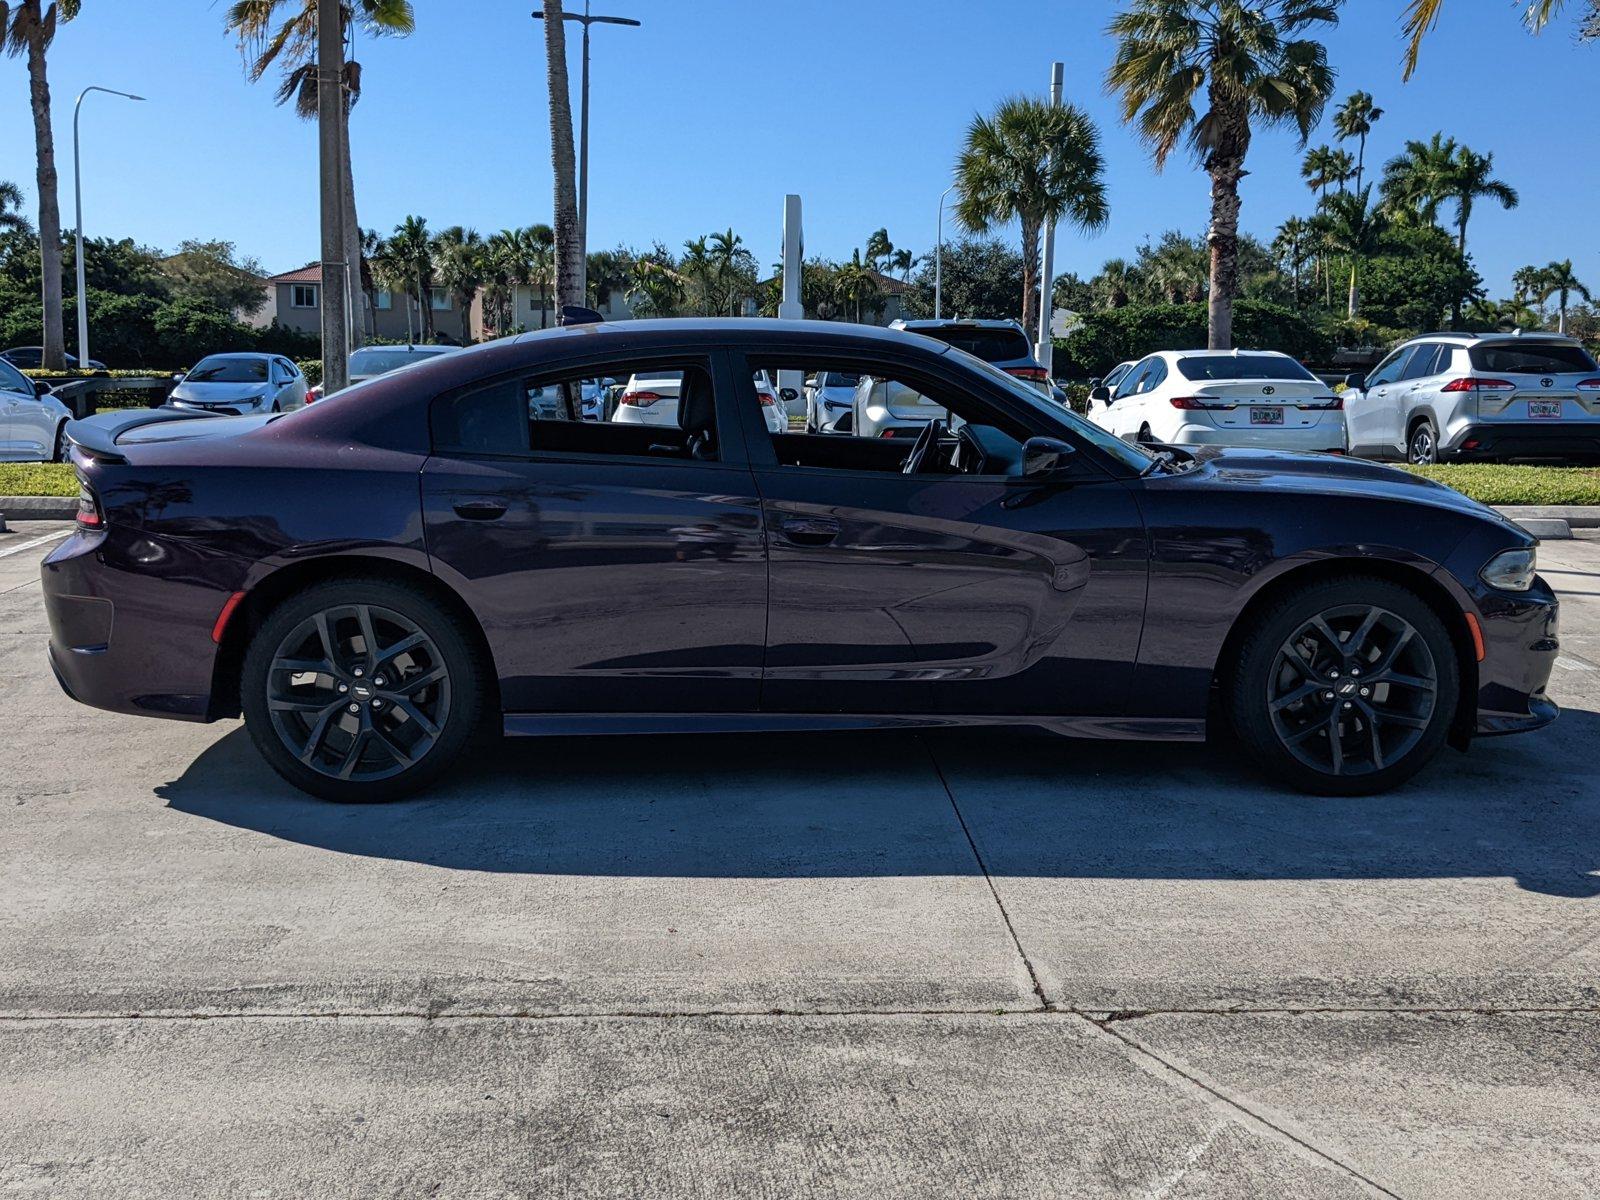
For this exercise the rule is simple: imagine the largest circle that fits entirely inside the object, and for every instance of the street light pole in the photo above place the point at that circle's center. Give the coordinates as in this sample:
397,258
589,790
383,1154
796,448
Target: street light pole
586,19
77,188
938,257
1045,350
330,157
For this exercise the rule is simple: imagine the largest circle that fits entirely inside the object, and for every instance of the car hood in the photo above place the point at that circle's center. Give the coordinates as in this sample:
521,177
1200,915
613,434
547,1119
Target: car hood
219,393
1332,474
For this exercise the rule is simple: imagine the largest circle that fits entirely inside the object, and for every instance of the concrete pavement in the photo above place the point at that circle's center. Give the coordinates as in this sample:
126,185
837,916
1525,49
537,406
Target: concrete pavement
978,963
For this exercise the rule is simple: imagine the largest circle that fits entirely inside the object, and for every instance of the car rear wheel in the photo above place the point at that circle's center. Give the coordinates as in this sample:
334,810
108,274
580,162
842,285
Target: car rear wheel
1423,446
58,451
362,690
1345,688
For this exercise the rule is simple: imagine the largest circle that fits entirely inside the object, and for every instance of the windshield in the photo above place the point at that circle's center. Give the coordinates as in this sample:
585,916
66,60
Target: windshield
1241,366
839,379
1535,358
381,361
228,370
1126,453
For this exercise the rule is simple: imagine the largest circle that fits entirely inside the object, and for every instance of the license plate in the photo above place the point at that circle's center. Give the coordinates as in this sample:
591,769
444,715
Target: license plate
1544,408
1265,416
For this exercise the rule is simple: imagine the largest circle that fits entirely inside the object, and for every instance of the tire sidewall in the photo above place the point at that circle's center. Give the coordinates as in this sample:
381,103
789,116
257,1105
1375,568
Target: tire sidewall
1433,443
456,647
1247,700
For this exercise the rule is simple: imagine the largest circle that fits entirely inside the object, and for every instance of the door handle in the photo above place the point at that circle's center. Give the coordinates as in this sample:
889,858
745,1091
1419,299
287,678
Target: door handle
480,510
810,531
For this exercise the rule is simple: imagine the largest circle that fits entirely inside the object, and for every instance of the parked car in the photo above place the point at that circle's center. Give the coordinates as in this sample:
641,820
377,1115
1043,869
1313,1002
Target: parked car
1012,565
31,358
1223,398
31,420
241,383
773,411
890,408
1449,396
1005,344
372,361
829,396
649,399
590,396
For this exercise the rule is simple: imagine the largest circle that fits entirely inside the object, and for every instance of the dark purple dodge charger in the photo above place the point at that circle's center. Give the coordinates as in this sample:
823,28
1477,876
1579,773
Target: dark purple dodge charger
451,549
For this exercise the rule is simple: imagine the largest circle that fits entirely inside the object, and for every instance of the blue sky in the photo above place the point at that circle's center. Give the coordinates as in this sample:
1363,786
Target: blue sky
709,113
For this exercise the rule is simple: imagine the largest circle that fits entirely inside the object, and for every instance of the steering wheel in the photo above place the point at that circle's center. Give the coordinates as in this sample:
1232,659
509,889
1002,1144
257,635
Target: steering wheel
922,449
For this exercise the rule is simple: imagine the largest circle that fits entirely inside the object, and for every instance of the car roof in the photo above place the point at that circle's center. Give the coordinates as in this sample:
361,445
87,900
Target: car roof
665,333
1234,353
949,322
1462,338
427,348
242,354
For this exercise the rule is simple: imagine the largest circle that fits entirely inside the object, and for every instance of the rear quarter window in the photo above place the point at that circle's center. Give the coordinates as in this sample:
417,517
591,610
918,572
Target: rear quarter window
1530,358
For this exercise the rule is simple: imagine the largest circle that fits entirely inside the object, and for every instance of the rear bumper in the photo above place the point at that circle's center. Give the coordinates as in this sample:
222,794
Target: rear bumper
1325,438
1524,439
125,639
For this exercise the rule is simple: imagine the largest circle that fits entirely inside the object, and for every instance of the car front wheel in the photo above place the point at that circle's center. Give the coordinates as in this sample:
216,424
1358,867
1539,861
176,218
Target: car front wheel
362,690
1345,688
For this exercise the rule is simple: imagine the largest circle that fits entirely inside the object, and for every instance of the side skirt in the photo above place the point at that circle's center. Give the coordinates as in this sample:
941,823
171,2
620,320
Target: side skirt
1137,729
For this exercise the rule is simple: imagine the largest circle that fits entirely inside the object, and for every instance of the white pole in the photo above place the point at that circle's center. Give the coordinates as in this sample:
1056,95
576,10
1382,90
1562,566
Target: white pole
77,189
938,258
1045,350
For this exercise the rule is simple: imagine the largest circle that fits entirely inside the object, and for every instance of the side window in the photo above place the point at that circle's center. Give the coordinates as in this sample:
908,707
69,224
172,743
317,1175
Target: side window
665,410
13,380
1155,375
889,409
1420,364
1131,381
1389,369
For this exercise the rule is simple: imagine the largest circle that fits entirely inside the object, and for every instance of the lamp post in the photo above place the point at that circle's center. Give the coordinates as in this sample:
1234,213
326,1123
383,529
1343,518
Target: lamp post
938,257
1044,350
77,188
586,19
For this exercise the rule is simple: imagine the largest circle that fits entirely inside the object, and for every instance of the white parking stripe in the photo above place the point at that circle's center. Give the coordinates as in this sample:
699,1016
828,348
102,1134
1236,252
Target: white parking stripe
38,541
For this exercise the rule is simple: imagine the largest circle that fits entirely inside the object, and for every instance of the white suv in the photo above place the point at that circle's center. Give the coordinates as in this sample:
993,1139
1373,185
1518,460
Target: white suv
1477,396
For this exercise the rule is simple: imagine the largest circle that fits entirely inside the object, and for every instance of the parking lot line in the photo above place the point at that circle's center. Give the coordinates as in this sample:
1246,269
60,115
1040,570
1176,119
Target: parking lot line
32,542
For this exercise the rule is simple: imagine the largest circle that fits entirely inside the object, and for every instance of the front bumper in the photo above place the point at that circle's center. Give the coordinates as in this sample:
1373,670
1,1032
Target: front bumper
1524,439
1521,637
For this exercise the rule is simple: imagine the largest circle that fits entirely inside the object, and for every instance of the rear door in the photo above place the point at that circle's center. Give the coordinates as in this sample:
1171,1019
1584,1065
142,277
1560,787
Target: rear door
1545,381
615,567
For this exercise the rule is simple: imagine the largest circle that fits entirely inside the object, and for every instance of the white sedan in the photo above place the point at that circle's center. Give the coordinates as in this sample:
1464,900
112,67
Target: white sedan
31,420
241,383
653,400
1222,398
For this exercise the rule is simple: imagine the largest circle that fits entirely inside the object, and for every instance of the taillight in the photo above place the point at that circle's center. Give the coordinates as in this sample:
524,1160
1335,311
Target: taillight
1473,384
892,433
1323,403
1589,385
768,400
313,394
640,399
1031,374
89,515
1193,403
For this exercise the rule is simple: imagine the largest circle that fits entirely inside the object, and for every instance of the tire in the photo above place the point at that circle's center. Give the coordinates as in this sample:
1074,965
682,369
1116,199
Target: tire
56,454
301,721
1422,446
1287,669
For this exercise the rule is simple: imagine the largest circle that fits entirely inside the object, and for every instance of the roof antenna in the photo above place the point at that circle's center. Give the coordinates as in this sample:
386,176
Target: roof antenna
576,314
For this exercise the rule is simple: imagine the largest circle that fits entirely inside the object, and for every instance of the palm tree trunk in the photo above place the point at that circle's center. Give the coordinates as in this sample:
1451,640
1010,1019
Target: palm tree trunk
569,251
1223,239
1355,297
1030,276
54,336
352,241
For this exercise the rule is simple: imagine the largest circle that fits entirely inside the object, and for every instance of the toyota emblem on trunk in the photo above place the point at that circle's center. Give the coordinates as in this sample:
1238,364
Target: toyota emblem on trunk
1268,390
1547,382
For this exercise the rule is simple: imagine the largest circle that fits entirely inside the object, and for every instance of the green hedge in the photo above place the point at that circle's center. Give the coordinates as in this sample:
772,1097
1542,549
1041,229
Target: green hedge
1496,483
1113,335
37,479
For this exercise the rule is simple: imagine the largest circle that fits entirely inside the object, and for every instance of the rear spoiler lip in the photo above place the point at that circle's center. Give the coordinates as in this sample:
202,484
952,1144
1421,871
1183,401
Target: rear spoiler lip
99,441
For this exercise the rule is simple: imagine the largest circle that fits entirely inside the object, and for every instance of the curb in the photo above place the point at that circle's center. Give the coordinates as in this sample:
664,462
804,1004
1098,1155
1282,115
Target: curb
39,508
1577,516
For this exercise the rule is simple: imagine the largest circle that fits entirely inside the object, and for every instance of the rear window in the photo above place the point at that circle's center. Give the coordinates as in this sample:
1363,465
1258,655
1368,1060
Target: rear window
1530,358
1241,366
381,362
228,370
991,345
839,379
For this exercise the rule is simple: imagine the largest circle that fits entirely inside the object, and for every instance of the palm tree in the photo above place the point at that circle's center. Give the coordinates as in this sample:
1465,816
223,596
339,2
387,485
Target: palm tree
1172,51
658,288
12,219
1031,162
1471,177
879,248
531,256
903,260
1415,180
391,269
1341,168
568,250
413,245
1355,228
459,254
501,264
1317,169
1354,119
1422,15
1526,281
1293,248
855,283
291,45
1116,283
28,27
1558,280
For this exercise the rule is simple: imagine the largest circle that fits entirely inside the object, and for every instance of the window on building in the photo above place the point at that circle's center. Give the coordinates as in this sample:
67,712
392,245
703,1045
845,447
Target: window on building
303,295
439,298
383,300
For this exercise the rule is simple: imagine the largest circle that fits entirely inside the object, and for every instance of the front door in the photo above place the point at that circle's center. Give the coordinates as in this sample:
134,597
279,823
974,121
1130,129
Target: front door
963,589
615,566
1374,416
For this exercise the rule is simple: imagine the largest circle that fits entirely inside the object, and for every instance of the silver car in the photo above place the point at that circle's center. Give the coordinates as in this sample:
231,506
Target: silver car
241,383
1463,396
371,361
829,396
886,408
30,421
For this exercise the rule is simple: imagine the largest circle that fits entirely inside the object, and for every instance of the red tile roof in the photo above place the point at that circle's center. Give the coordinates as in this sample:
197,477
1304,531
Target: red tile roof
310,273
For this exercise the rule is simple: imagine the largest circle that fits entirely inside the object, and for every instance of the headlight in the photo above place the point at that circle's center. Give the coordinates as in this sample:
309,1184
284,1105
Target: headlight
1510,570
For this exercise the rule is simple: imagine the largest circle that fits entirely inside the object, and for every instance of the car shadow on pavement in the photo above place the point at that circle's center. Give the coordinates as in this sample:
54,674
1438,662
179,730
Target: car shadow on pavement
873,804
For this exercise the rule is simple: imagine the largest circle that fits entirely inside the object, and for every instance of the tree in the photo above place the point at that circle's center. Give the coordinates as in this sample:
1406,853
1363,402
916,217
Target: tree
1249,68
458,253
658,288
535,261
290,43
1471,177
391,268
1174,270
1293,246
1117,283
1413,184
1031,162
28,28
1354,228
982,278
568,249
413,246
1354,119
608,272
1422,15
12,219
215,274
1319,169
879,249
1416,279
1558,280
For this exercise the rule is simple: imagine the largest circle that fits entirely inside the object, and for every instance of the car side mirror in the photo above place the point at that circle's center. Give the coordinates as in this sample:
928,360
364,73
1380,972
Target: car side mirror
811,381
40,388
178,378
1043,456
788,395
1355,383
1101,393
